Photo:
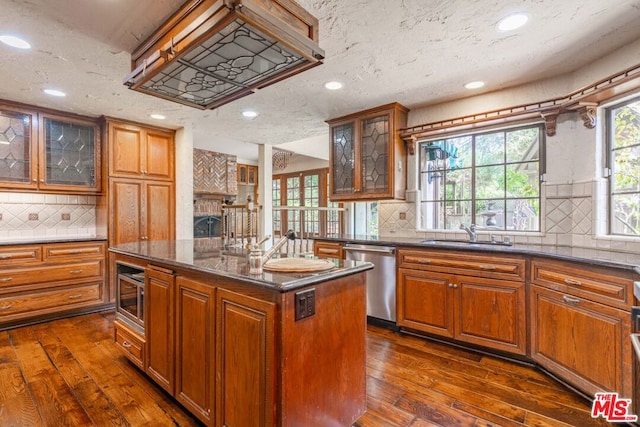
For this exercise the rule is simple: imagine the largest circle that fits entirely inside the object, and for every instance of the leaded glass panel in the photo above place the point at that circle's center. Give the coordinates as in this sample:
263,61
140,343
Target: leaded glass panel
343,158
15,147
375,155
70,154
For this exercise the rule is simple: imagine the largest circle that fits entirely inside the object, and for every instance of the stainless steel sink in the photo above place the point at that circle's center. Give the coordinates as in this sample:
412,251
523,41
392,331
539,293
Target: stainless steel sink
462,242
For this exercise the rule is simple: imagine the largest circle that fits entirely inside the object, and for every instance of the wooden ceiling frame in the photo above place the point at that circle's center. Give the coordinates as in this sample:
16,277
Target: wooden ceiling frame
584,101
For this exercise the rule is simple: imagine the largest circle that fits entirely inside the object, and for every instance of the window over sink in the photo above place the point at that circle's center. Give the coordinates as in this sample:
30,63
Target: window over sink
490,178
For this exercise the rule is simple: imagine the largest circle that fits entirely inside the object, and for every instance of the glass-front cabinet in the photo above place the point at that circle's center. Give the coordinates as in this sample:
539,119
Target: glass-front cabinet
42,151
367,157
18,136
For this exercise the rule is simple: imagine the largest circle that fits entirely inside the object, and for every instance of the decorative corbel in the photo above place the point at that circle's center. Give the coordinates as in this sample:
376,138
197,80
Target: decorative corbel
550,118
410,141
587,113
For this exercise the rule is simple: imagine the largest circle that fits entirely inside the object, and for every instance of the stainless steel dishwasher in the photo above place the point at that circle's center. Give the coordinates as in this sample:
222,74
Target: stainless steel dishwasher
381,281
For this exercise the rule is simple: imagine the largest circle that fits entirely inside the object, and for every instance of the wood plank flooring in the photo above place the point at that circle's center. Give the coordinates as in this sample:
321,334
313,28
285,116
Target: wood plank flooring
69,373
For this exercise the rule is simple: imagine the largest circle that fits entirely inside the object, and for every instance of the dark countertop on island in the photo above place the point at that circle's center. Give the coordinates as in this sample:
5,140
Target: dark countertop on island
601,257
197,255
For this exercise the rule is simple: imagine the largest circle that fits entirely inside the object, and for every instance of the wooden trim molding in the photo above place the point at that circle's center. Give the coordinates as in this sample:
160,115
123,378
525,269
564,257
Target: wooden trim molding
584,101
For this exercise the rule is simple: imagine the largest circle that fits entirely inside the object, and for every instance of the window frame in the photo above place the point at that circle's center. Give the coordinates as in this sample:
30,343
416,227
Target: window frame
609,162
473,134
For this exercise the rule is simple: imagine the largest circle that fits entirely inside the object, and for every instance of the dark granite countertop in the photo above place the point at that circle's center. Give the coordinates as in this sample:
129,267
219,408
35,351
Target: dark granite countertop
606,258
52,239
199,256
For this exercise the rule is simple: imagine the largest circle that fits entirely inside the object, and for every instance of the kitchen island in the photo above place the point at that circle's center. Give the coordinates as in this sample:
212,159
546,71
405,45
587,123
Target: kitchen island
238,349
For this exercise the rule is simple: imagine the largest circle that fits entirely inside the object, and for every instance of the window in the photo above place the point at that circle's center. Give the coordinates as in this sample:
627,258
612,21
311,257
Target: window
490,179
310,190
623,141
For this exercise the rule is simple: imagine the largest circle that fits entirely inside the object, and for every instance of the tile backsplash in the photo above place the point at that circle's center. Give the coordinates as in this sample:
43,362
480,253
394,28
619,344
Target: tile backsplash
574,214
33,215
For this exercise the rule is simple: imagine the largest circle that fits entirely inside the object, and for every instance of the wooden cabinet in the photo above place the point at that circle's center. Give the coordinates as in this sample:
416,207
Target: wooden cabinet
130,342
140,152
50,280
49,152
245,360
159,326
141,199
478,299
195,347
328,250
141,210
580,325
214,173
247,174
367,158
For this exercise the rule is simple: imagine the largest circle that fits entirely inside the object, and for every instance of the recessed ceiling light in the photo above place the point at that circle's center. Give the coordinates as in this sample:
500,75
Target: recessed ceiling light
249,114
512,22
14,41
333,85
157,116
54,92
474,85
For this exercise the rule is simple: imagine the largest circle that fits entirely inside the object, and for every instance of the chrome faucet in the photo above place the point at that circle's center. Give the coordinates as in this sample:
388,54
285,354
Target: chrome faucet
257,259
471,231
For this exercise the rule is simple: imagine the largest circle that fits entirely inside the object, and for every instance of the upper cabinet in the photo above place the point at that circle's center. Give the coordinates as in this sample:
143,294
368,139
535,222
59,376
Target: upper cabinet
140,152
367,157
48,152
214,173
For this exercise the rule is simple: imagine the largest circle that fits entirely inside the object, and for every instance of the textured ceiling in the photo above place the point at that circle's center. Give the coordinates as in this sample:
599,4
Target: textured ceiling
416,52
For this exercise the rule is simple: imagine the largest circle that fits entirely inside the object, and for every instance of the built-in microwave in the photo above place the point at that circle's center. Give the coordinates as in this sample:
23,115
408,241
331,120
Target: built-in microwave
130,295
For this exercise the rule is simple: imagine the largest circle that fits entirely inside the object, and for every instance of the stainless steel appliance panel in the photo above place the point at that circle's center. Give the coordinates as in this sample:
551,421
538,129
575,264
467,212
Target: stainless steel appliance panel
381,281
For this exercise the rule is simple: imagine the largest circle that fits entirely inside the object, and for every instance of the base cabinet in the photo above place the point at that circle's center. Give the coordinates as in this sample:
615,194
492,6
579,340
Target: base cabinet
159,328
195,347
483,303
245,361
598,358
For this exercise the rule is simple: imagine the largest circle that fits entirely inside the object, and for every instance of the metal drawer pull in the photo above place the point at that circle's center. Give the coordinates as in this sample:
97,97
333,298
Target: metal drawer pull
75,296
572,282
6,279
5,257
6,307
570,300
78,271
488,267
453,285
75,251
126,344
424,261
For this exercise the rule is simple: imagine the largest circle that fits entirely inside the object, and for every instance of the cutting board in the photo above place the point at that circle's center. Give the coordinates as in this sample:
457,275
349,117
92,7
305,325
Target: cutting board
297,265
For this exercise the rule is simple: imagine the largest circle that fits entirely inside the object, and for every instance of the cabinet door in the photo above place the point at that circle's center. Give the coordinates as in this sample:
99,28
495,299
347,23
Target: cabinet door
159,326
159,211
252,175
375,155
342,158
245,360
125,148
583,342
491,313
125,201
425,302
195,329
242,173
18,149
158,157
69,154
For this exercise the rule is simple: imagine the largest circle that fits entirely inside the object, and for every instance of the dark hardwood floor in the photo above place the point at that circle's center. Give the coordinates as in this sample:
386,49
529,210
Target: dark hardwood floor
69,373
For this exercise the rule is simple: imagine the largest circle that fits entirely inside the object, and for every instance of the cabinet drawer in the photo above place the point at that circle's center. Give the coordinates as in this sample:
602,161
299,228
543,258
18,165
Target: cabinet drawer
48,301
131,343
12,255
45,274
328,250
594,283
73,251
464,263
